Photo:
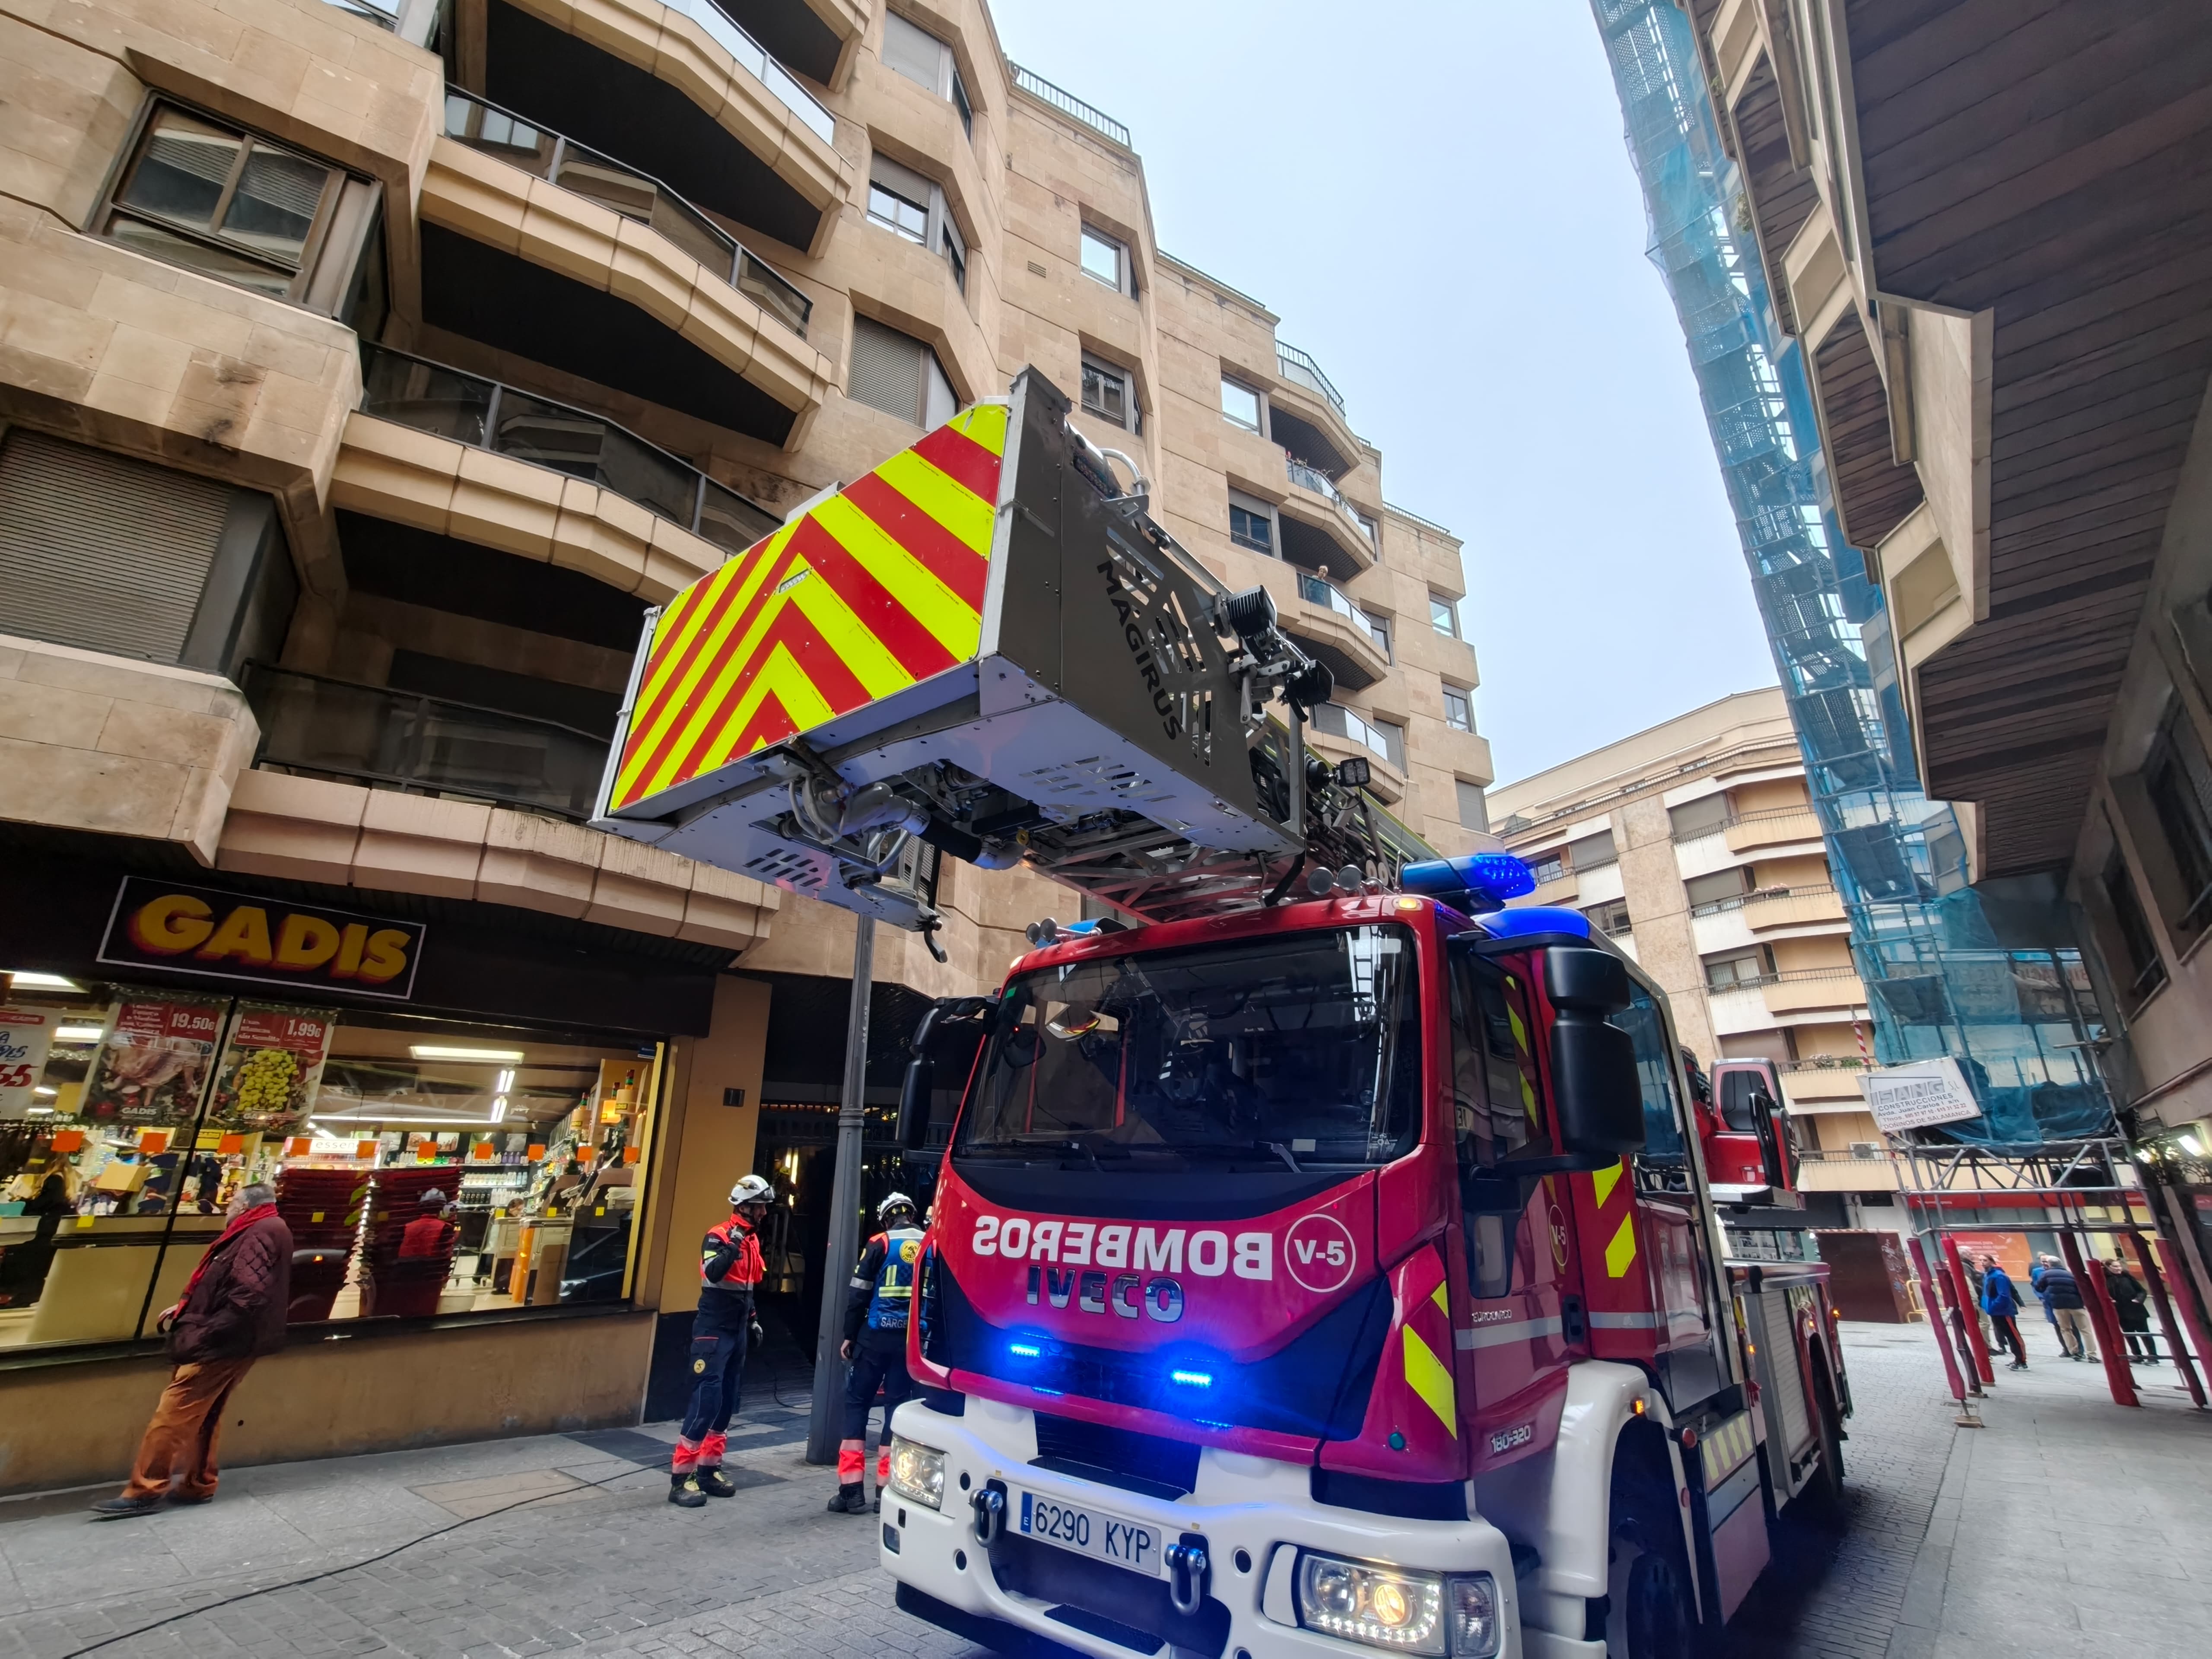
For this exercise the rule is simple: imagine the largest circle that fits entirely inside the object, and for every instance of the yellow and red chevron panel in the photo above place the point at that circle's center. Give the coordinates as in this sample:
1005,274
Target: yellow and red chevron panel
876,588
1411,1431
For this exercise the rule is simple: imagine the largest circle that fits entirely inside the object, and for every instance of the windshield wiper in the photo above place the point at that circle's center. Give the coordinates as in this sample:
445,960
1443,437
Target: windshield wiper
1196,1148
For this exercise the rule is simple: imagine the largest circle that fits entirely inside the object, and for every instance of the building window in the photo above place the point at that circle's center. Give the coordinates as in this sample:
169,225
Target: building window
1251,523
914,52
911,205
898,374
1610,918
1473,810
1380,628
1110,393
896,214
955,251
221,202
1443,617
2179,785
1592,852
1720,891
1106,259
1706,815
1240,404
2146,969
1548,866
1729,973
1459,714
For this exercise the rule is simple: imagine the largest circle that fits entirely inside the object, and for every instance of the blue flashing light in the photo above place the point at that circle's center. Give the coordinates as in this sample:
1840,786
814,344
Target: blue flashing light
1078,929
1536,918
1026,1349
1477,881
1193,1379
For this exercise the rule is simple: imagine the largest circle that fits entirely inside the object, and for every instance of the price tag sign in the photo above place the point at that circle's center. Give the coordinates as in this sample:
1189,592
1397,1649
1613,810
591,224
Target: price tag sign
272,1066
24,1036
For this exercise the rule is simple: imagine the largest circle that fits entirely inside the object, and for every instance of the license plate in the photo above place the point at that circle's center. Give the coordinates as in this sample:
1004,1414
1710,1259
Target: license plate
1092,1532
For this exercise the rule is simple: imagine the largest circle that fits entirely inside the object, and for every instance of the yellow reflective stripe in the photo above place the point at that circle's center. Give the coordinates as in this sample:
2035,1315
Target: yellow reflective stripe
1603,1180
962,512
986,424
1429,1377
1441,1297
1621,1252
869,659
909,583
781,674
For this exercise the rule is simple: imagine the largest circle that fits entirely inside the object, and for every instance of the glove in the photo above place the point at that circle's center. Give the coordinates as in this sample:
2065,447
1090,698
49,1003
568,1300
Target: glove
758,1334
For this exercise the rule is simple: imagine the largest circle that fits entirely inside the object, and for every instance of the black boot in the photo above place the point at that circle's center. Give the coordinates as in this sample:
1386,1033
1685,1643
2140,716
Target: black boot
851,1499
715,1484
684,1491
876,1504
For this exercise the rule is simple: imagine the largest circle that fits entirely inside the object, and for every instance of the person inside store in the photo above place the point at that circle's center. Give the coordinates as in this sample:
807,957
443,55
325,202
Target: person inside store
232,1312
430,1235
730,1271
23,1268
876,1310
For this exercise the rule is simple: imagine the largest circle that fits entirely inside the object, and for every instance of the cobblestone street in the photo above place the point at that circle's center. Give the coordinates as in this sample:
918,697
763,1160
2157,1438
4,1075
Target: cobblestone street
2065,1528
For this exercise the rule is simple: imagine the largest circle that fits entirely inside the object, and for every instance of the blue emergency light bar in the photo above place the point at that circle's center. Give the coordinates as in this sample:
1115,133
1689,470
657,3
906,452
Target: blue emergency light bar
1475,882
1536,918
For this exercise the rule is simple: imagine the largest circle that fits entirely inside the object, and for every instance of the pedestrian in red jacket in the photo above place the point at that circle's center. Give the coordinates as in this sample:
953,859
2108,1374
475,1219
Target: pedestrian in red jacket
232,1312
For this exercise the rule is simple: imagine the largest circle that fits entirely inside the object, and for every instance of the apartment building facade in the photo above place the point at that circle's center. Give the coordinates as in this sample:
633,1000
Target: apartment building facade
366,374
1987,230
1694,845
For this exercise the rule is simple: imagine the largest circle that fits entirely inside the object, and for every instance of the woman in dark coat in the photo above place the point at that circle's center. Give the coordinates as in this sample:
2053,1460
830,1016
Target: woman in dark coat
2131,1301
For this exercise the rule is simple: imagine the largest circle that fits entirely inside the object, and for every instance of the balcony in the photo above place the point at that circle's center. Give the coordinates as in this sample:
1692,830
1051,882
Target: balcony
1776,906
1337,633
681,87
817,38
1814,1086
1778,826
1296,366
1804,989
421,745
486,415
1305,415
1337,734
637,197
1869,1171
1319,527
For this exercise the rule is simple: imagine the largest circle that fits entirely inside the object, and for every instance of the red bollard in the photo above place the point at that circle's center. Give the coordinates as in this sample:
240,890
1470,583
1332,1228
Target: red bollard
2156,1283
2111,1349
1969,1315
1935,1317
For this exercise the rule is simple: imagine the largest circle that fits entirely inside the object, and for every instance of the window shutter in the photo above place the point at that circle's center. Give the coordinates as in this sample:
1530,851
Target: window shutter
886,370
102,552
1473,810
914,52
899,179
1703,816
1591,851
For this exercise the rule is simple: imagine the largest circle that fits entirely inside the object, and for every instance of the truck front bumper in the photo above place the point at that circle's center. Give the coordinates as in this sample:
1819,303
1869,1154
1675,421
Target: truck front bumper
1253,1514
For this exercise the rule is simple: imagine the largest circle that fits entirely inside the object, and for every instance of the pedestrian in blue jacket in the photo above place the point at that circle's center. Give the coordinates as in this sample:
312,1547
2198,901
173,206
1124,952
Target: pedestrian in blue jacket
2001,1302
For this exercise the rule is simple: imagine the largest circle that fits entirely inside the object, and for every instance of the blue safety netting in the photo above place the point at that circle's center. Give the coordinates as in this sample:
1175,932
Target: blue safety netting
1939,979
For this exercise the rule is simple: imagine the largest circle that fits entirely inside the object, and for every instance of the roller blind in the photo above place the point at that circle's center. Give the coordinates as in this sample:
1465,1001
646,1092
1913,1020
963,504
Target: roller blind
886,370
914,52
99,551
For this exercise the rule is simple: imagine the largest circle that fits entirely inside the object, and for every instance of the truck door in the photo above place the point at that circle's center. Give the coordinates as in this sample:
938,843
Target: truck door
1675,1247
1514,1348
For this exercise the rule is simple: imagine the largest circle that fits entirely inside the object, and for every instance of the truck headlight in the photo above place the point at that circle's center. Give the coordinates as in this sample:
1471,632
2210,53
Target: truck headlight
917,1473
1394,1607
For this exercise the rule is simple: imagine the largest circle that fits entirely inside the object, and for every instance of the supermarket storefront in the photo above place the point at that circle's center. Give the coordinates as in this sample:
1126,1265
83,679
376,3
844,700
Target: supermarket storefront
460,1107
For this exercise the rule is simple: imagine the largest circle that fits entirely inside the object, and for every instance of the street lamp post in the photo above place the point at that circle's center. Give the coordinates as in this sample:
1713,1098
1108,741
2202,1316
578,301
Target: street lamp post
844,1246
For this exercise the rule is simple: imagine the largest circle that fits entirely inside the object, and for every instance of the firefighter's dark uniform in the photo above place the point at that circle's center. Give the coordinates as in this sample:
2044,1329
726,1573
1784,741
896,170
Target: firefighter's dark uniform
875,1324
730,1270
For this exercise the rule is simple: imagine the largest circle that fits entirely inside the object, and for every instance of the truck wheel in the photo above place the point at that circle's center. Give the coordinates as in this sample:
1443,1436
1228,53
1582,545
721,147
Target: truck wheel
1648,1604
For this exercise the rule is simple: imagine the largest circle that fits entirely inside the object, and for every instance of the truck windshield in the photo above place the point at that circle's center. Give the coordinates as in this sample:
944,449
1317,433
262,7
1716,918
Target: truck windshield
1297,1049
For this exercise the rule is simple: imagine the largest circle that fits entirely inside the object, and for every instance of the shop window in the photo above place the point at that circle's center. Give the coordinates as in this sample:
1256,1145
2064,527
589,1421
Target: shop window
898,374
424,1166
231,205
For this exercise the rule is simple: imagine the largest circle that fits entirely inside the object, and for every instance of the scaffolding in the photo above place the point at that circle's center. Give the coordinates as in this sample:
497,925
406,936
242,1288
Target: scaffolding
1939,980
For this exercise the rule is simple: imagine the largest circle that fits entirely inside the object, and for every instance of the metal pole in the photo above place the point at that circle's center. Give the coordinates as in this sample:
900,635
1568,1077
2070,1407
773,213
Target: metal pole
1936,1313
844,1246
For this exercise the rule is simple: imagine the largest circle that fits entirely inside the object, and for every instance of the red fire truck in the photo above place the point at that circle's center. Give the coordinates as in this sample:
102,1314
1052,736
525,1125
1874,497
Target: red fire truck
1321,1256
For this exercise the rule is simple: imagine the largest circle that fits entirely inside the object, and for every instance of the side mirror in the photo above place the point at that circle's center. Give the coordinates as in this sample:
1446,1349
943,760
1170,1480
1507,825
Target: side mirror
1598,1097
914,1094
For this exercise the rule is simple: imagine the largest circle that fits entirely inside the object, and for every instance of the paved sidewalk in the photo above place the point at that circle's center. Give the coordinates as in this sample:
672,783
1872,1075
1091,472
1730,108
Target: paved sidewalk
2066,1527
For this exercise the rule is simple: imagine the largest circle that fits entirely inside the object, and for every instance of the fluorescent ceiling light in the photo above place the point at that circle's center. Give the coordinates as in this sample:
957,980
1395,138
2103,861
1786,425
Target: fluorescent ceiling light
49,1093
79,1033
489,1056
25,981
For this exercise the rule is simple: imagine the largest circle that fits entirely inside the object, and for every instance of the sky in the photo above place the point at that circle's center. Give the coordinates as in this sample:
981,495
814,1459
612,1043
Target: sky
1438,205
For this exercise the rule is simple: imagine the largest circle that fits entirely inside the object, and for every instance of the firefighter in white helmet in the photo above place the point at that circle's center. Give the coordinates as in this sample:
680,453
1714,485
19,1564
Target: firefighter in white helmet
875,1342
730,1271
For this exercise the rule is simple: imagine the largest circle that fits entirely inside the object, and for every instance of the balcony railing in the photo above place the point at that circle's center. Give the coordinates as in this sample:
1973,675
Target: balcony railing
1295,365
1313,479
1337,721
1763,895
383,17
1069,104
638,197
772,75
401,740
1790,976
1314,591
486,415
